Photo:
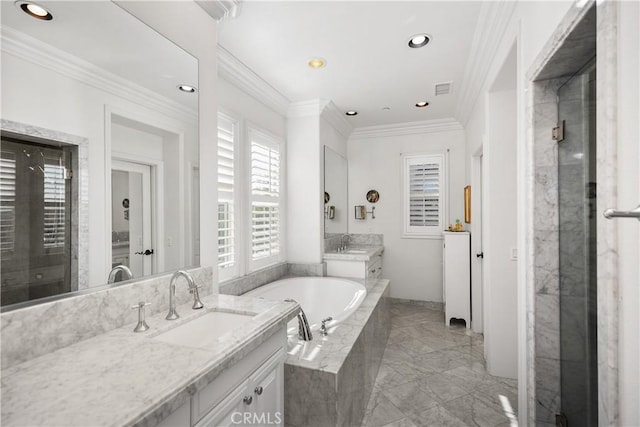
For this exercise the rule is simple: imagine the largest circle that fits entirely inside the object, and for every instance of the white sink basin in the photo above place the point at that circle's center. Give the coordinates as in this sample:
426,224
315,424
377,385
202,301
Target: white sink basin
204,330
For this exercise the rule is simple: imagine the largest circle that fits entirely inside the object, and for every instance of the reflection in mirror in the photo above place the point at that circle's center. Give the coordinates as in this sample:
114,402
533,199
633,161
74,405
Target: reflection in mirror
335,184
99,150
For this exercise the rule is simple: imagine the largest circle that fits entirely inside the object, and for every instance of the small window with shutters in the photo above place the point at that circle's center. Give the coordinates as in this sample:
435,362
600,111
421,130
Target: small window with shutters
7,201
227,207
265,199
424,195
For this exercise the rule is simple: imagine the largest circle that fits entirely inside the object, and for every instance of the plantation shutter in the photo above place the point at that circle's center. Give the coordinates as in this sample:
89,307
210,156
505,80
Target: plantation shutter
226,176
54,203
7,200
424,195
265,198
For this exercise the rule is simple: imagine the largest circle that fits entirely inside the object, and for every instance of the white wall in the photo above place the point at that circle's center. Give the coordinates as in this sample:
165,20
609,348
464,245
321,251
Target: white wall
499,236
629,197
305,214
414,266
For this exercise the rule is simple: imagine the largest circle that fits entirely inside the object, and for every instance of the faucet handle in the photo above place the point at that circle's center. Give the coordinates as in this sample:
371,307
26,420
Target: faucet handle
142,324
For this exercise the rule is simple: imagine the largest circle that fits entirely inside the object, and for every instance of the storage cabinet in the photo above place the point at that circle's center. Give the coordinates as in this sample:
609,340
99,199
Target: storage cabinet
457,276
249,393
355,268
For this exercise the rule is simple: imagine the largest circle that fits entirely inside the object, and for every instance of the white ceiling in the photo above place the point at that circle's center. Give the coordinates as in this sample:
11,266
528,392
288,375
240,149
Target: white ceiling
369,65
105,35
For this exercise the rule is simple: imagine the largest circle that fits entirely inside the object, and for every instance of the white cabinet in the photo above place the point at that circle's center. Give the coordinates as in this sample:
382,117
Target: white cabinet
457,276
251,392
359,269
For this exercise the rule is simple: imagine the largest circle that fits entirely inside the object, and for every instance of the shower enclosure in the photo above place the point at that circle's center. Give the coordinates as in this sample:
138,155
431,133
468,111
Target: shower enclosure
577,239
35,220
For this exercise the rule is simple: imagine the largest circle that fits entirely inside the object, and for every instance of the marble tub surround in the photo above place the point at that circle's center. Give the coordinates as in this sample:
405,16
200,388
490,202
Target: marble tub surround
246,283
126,378
43,328
328,380
251,281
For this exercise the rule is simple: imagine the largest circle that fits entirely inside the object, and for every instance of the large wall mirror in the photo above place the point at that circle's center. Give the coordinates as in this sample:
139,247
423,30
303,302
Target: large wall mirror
335,193
99,163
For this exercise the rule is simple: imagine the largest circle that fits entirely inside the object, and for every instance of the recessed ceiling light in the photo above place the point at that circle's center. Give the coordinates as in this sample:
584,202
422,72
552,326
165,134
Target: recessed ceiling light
187,88
34,10
422,104
316,63
386,108
351,113
419,40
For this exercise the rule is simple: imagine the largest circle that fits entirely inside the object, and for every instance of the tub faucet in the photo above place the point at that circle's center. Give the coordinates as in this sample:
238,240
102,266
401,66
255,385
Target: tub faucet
304,330
126,273
193,289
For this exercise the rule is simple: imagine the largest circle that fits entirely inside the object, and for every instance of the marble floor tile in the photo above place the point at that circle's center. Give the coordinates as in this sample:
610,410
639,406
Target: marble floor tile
435,375
380,411
437,416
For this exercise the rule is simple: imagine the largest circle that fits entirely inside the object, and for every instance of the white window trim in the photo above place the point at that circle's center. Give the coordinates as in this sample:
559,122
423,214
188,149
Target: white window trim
235,271
434,232
277,142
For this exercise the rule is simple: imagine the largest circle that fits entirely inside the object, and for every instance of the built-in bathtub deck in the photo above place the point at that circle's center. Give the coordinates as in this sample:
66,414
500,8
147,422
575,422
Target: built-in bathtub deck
328,380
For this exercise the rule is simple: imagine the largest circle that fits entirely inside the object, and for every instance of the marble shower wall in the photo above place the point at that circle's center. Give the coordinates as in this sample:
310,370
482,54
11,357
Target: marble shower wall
42,328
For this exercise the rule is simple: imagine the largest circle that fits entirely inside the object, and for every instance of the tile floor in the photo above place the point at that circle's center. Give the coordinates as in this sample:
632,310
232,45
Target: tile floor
435,376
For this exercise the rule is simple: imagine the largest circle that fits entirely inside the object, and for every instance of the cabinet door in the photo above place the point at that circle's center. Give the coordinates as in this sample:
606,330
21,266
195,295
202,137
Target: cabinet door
231,410
268,392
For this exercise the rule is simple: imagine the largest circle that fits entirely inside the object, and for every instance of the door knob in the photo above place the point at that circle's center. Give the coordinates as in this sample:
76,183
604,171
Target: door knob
480,255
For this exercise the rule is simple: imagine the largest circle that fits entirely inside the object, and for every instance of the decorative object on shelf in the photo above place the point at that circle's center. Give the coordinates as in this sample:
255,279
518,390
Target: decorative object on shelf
330,212
373,196
467,204
457,226
327,197
361,212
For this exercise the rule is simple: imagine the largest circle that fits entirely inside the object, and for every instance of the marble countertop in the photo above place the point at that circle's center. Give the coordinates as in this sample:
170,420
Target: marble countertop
370,251
126,378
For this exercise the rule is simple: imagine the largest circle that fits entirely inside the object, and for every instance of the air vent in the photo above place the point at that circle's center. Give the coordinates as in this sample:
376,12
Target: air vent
443,88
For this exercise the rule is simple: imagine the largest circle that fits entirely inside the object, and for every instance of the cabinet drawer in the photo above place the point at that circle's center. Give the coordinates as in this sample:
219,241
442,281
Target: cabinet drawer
374,267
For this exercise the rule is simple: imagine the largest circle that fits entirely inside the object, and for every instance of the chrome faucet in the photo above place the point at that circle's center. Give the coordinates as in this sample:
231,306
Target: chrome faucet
193,289
304,330
126,273
323,327
343,246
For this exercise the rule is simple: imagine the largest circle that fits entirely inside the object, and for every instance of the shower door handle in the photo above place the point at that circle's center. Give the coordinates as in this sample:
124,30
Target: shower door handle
634,213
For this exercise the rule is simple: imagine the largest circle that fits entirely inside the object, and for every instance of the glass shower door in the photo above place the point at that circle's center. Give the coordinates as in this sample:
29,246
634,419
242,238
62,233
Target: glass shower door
577,239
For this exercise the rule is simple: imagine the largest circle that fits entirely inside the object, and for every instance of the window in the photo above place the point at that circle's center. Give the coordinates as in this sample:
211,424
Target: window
265,199
227,253
424,195
249,198
7,200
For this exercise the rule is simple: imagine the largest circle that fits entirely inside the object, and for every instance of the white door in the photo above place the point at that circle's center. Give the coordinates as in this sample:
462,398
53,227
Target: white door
476,245
131,217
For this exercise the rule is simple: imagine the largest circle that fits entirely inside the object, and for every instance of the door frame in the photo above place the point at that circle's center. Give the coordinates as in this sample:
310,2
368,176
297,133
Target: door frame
477,279
156,203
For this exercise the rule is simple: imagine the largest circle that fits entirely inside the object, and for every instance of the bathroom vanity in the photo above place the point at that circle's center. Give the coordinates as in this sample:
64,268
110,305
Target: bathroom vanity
360,262
171,374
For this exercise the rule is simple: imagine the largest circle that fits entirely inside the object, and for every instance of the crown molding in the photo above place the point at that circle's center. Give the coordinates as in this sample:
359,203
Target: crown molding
410,128
27,48
220,9
336,119
310,108
235,72
492,23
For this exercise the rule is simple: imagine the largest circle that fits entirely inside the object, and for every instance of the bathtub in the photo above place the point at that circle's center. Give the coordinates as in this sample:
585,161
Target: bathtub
319,297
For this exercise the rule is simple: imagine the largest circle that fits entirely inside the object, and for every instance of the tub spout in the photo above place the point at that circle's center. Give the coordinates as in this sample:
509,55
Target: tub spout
304,331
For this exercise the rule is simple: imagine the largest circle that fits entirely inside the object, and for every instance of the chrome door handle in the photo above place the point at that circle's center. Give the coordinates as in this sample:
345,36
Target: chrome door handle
634,213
